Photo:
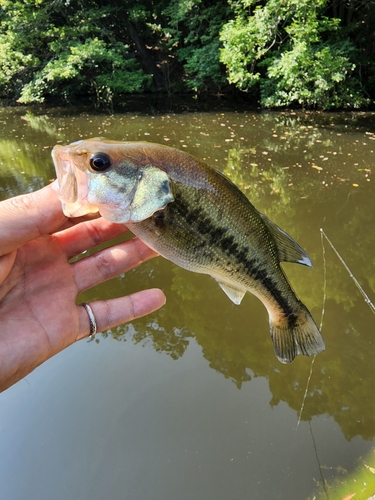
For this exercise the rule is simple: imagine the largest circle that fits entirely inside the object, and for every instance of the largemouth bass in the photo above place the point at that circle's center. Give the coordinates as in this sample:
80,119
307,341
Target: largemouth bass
191,214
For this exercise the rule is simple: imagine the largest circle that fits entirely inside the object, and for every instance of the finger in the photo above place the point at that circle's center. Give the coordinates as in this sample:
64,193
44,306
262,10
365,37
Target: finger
6,264
111,262
29,216
73,221
114,312
87,235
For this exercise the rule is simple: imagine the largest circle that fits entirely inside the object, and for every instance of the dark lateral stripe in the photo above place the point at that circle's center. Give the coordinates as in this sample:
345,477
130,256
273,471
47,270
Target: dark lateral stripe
218,236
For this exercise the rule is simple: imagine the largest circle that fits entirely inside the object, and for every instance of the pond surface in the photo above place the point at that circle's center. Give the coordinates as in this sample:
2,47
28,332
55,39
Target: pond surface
191,402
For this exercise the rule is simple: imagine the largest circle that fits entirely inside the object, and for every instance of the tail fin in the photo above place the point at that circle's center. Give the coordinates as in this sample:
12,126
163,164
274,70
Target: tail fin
297,334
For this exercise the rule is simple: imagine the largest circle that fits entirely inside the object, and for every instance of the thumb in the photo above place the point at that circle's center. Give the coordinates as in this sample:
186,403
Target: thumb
28,216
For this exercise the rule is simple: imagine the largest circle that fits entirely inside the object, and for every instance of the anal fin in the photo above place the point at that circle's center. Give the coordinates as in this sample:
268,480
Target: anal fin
235,294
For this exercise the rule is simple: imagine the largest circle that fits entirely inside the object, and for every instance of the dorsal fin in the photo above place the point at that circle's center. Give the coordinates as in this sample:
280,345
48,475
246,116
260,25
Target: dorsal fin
235,294
289,250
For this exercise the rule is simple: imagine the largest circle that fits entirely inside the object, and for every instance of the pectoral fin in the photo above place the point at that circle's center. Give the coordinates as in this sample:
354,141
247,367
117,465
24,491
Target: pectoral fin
289,250
235,294
152,193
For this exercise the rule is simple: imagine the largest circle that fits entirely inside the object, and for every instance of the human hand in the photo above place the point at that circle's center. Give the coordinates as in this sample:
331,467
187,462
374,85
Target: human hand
39,315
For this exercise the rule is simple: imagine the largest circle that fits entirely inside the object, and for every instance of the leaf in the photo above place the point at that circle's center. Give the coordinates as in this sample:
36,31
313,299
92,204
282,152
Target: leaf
371,469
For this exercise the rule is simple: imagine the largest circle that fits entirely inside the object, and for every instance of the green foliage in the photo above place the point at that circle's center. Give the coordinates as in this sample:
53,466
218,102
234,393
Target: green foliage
246,41
292,52
65,50
313,76
193,30
12,61
77,66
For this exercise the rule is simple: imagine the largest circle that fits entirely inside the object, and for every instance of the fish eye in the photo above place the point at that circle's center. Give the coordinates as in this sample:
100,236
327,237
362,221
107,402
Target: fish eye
100,162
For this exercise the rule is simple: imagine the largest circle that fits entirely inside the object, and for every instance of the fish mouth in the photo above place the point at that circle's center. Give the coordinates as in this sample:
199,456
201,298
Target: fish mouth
73,184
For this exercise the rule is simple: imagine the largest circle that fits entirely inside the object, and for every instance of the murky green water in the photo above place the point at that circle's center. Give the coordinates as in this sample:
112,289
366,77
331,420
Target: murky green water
190,402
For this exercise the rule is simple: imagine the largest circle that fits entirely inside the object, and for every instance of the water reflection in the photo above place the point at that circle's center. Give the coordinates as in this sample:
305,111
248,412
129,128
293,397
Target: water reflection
304,172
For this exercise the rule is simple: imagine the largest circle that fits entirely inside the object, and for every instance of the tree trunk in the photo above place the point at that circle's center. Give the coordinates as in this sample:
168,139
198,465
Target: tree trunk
146,58
334,8
342,10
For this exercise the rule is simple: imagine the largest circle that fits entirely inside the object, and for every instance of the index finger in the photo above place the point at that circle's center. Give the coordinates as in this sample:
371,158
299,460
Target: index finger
28,216
88,234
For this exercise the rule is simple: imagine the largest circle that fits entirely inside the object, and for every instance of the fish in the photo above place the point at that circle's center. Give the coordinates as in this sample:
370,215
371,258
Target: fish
196,217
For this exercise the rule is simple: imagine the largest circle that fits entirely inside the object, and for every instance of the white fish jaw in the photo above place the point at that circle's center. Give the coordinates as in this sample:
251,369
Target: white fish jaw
73,185
123,193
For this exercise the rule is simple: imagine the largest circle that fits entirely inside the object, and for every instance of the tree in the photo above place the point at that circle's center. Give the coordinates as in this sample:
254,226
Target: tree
294,52
193,29
287,52
100,49
65,49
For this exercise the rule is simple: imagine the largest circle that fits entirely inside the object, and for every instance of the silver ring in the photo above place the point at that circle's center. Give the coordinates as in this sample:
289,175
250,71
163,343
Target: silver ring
92,319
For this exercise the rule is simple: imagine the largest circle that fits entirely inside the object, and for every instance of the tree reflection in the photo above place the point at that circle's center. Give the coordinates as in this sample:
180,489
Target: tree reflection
22,169
235,340
304,172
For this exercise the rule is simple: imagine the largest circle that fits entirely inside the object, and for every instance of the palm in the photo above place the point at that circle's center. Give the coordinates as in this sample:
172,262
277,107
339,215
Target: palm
39,315
41,303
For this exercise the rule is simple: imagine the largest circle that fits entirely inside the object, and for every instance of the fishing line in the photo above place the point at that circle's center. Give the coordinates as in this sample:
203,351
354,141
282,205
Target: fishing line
300,417
324,279
312,366
320,327
371,306
356,282
305,395
368,302
317,459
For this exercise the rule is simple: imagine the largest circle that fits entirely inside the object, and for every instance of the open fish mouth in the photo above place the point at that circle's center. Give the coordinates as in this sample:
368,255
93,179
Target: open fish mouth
122,191
73,184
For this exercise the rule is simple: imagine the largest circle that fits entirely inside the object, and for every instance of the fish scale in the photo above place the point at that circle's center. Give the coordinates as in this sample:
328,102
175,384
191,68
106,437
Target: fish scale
193,215
226,256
